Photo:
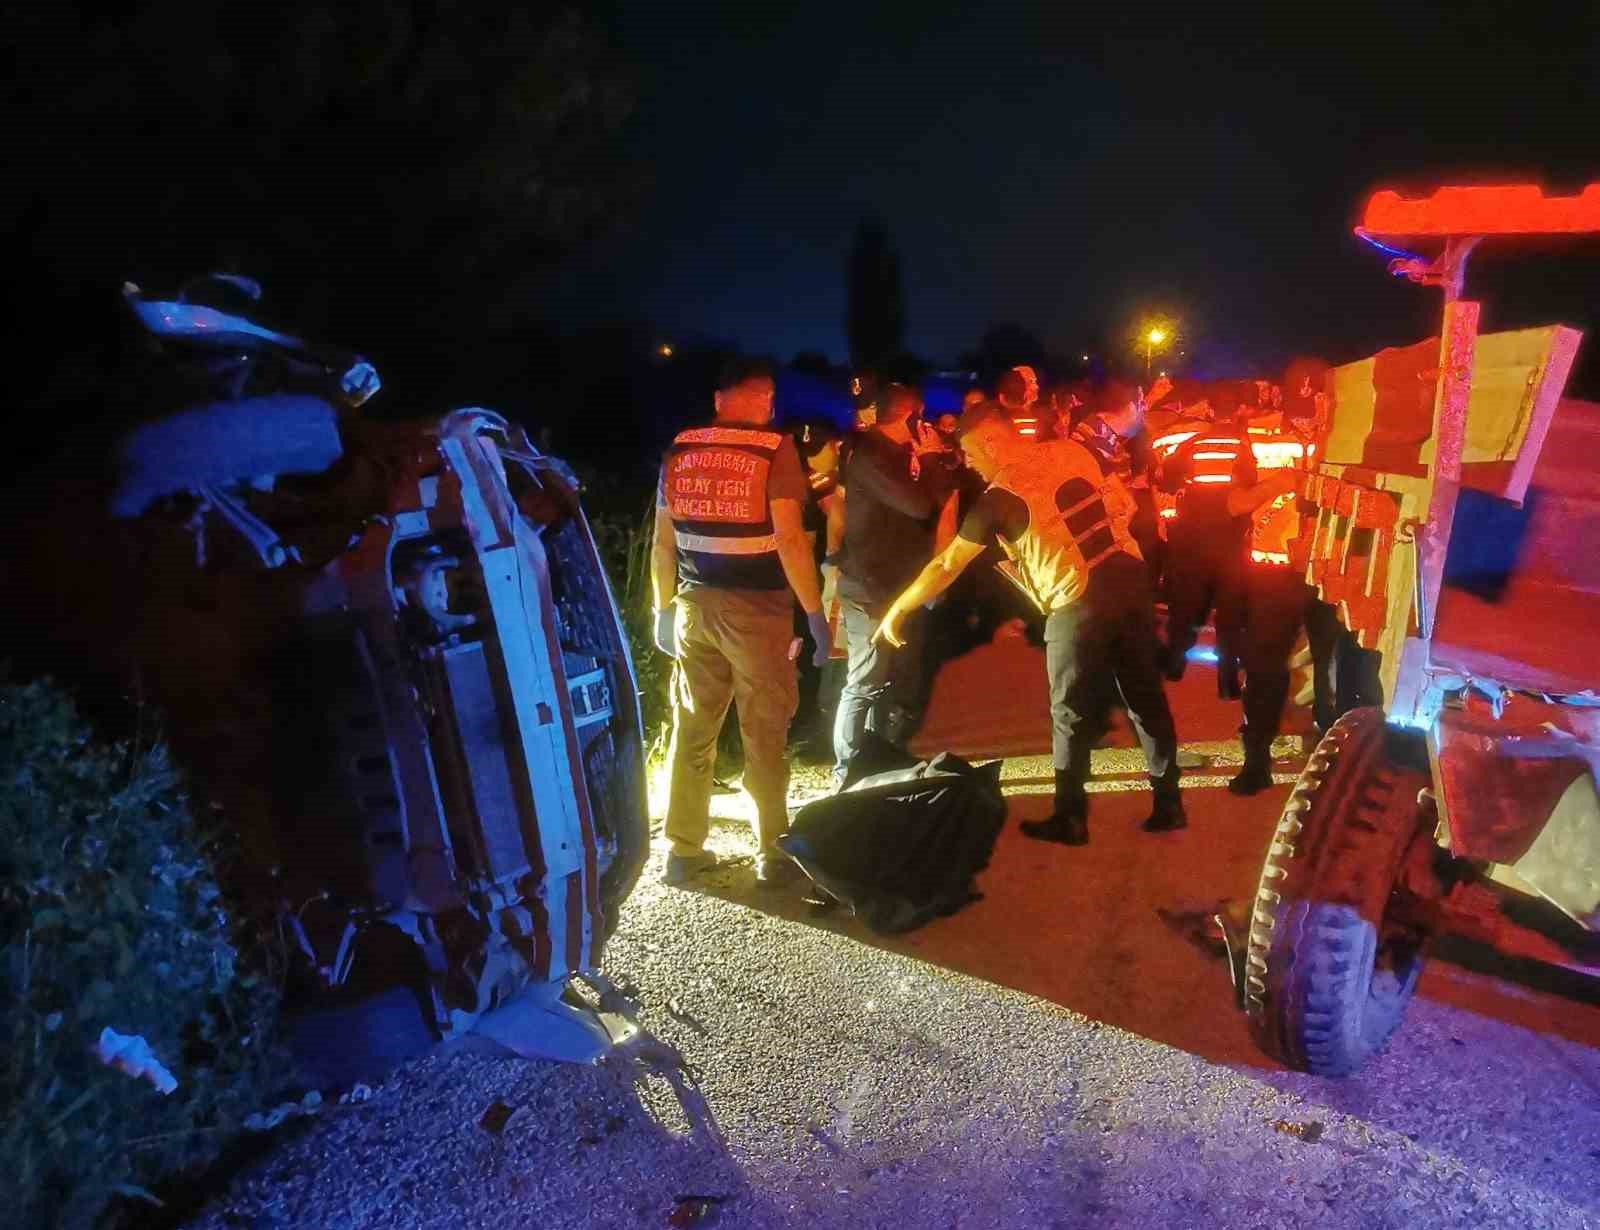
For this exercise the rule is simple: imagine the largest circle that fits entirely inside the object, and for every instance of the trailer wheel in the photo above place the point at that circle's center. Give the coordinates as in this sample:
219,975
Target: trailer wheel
1330,967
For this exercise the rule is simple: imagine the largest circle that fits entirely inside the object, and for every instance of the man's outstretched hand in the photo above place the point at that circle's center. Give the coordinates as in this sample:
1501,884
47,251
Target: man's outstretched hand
889,629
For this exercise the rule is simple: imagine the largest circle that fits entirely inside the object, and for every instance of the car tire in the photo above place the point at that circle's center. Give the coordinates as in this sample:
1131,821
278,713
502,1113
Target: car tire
1329,970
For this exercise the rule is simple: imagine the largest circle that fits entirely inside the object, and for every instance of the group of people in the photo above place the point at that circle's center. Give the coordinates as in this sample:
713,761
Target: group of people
1098,501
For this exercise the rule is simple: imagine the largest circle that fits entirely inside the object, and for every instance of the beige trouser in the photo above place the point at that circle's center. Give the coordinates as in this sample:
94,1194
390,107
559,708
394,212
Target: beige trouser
733,645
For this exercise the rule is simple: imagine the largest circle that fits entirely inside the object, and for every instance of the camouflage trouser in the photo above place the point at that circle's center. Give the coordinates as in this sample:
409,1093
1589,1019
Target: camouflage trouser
732,646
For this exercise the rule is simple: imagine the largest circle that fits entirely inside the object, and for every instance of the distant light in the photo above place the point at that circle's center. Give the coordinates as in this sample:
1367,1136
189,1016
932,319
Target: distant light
1085,358
1157,336
1163,375
664,350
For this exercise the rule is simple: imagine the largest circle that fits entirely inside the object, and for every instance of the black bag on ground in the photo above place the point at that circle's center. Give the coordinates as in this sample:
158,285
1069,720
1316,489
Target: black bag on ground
901,843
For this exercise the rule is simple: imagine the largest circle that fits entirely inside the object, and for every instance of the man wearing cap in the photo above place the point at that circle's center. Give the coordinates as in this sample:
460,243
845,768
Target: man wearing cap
730,558
1063,523
1018,394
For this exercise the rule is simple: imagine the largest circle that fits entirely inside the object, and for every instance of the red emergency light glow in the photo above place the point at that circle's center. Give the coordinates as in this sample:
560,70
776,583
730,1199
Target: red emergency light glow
1502,209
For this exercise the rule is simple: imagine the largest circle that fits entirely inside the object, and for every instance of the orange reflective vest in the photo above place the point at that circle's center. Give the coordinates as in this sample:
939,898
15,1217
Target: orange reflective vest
715,484
1275,526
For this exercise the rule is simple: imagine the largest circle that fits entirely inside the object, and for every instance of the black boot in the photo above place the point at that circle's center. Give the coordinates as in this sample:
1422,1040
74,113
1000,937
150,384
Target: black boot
1255,777
1168,815
1069,823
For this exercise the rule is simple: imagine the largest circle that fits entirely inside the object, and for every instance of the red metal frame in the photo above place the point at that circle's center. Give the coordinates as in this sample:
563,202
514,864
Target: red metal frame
1498,209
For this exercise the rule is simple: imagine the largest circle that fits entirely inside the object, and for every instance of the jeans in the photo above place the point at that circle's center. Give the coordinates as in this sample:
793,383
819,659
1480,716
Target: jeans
882,684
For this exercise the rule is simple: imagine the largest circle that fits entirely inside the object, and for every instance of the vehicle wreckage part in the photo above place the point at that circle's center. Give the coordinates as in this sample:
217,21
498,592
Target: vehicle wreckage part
452,712
542,1023
220,444
1563,863
1328,969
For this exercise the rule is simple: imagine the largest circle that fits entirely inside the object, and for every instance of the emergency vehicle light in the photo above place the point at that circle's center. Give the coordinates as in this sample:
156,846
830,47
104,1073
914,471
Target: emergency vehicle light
1213,478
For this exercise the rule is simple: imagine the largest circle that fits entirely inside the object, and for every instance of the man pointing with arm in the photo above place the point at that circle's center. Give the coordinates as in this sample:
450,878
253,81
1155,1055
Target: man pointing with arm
730,558
1064,526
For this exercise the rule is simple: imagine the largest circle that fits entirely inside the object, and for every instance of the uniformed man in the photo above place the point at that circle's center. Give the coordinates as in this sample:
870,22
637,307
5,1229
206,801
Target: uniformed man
1017,392
1114,431
1206,539
1064,525
1270,608
729,560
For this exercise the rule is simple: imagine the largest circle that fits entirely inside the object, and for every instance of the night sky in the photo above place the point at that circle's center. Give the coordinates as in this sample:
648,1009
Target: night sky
1068,173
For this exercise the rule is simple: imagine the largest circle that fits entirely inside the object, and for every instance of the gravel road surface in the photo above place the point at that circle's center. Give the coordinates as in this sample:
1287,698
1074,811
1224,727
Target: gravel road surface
853,1086
1062,1053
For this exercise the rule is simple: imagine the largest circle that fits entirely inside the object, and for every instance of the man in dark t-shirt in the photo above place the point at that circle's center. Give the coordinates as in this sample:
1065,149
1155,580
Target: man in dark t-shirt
891,507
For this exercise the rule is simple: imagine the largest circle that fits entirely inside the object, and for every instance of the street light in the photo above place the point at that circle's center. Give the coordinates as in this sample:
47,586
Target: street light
1153,338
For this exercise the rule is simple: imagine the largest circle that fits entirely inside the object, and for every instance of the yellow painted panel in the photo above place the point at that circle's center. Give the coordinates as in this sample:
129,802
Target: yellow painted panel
1353,405
1505,375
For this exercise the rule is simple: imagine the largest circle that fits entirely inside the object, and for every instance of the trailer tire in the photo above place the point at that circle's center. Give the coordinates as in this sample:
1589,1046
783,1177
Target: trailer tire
1327,978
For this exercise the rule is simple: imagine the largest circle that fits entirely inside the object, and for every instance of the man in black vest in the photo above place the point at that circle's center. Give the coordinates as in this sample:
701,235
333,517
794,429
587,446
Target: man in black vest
730,557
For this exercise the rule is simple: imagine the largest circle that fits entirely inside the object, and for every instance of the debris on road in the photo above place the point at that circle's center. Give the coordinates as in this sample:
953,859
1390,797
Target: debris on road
1310,1132
494,1119
310,1104
678,1012
692,1210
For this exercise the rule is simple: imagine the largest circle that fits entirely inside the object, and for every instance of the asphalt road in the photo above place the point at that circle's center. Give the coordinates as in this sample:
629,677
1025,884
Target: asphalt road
1061,1053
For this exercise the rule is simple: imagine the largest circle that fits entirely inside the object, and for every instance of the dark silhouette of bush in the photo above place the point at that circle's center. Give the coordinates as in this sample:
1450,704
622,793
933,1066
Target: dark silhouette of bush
111,915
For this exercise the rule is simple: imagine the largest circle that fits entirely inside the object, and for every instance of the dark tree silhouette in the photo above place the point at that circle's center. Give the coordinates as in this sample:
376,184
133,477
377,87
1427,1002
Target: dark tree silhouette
1002,346
812,363
876,314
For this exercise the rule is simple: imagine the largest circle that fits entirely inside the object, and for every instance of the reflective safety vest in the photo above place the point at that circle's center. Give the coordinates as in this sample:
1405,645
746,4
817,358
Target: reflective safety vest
1275,526
1077,519
715,482
1212,456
